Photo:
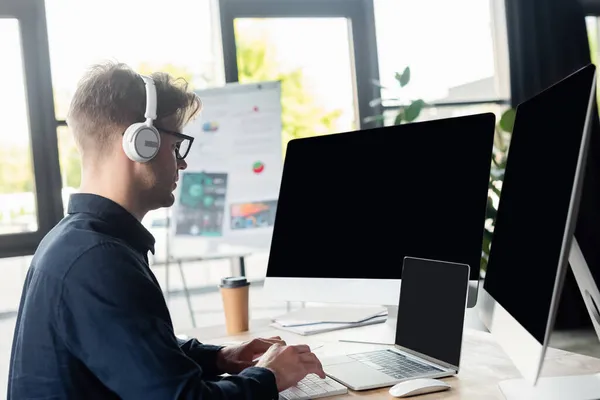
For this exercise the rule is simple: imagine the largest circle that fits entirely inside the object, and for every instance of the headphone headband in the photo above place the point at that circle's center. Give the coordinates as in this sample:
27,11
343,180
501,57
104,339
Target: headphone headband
150,114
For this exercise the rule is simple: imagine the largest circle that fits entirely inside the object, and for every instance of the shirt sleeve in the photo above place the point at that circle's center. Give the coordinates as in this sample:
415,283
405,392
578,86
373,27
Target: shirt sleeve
113,318
203,354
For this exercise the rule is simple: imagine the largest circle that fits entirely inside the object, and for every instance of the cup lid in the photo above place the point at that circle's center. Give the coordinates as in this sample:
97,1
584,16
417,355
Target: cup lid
234,282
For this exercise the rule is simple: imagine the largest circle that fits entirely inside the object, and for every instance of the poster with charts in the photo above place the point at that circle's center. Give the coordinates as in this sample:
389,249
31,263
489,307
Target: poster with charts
226,198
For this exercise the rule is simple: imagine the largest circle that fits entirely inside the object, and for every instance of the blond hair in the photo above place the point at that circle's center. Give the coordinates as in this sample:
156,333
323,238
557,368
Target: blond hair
111,96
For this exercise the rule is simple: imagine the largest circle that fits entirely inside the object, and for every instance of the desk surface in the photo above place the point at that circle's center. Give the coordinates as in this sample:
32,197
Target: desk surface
483,363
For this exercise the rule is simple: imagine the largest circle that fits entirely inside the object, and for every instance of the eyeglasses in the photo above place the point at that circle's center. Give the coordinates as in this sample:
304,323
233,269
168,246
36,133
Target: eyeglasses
183,147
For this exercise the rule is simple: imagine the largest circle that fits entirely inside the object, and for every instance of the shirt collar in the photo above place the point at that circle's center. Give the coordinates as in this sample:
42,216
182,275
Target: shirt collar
125,225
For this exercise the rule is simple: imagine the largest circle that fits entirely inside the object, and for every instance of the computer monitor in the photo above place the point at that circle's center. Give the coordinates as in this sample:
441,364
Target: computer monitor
353,205
534,232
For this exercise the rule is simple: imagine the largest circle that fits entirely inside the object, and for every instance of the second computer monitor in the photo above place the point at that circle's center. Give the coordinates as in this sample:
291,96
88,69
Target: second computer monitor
536,218
353,205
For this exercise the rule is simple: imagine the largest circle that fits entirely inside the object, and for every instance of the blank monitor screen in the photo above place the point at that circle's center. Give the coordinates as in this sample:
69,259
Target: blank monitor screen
431,312
530,224
353,205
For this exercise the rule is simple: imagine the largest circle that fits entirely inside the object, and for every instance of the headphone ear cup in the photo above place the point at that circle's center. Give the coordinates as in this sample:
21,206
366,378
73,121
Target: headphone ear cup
128,140
141,142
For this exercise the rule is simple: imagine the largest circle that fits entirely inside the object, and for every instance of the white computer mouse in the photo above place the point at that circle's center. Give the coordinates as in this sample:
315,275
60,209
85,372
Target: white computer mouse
418,386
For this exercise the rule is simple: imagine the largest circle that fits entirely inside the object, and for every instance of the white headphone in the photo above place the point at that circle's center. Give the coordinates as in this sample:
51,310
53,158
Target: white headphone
141,140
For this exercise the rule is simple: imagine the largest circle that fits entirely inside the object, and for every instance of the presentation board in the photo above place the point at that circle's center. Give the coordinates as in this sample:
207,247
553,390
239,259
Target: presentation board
226,199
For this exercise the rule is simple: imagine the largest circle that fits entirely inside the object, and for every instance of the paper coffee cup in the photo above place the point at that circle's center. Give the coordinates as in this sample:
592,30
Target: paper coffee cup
234,292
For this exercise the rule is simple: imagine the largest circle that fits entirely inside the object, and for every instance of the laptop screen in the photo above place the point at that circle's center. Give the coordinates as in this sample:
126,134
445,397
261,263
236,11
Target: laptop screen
431,310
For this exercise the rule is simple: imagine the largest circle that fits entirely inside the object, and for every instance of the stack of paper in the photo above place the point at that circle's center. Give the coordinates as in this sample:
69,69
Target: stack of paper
309,321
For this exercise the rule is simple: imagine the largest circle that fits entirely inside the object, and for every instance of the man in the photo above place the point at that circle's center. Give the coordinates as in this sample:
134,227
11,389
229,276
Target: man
93,323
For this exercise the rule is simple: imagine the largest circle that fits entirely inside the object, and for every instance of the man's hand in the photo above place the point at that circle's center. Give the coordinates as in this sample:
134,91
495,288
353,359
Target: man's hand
290,364
234,359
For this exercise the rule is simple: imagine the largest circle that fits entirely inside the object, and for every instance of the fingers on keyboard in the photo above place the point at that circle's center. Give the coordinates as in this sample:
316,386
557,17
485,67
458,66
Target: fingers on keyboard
313,387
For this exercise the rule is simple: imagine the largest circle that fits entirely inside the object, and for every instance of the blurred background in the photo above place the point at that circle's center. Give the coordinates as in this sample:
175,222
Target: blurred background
343,65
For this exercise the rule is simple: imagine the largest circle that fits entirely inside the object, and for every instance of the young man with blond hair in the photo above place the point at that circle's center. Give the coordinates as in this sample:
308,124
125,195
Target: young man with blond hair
92,322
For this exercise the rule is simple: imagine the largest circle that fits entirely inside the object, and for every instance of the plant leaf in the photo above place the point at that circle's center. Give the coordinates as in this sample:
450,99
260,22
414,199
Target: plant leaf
487,236
507,120
483,266
399,117
403,78
490,208
487,240
496,164
495,190
413,111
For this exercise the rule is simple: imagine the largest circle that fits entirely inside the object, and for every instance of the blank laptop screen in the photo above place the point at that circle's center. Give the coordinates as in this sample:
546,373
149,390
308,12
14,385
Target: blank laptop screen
431,310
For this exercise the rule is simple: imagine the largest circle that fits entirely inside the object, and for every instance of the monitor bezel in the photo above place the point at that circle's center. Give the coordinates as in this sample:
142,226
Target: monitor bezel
385,292
363,291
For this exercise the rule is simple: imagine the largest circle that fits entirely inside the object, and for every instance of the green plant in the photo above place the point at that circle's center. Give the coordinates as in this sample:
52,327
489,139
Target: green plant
410,111
301,113
504,129
406,111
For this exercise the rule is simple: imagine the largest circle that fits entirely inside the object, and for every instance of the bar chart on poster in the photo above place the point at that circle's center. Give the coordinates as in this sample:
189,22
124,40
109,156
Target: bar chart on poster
226,198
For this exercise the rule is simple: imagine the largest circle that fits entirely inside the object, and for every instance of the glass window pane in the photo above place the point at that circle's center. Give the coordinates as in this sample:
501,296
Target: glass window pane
17,195
70,164
592,30
593,36
14,271
456,50
177,36
430,113
312,58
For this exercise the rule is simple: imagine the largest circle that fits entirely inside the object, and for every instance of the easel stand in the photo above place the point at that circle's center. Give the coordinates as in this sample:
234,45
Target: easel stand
238,268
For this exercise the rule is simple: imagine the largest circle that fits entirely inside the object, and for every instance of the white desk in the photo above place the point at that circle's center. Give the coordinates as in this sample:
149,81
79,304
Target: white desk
483,363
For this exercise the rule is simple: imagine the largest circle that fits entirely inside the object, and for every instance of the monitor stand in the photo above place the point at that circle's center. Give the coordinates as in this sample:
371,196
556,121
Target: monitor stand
576,387
387,332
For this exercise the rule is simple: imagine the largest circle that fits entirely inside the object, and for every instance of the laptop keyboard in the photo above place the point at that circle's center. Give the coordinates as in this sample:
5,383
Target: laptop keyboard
394,364
313,387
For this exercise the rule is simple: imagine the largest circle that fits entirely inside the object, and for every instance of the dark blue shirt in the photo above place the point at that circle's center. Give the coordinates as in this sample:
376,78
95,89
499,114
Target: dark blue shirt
93,322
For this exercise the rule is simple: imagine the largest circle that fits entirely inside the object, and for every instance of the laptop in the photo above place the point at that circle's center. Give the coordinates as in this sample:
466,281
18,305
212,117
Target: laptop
431,314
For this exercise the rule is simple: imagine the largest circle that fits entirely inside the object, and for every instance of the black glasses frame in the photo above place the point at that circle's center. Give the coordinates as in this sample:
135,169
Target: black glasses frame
180,136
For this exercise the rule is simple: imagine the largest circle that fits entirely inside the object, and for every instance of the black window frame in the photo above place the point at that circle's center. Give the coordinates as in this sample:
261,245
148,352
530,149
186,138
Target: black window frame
31,16
466,103
40,103
591,8
363,42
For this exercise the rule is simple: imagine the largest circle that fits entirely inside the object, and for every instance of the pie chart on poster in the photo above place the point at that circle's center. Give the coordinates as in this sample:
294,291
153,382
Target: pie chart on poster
258,167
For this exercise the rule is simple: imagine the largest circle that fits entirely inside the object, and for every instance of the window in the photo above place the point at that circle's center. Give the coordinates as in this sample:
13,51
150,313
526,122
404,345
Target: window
591,23
323,51
30,203
457,55
449,111
70,165
312,59
175,36
184,45
17,184
456,50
